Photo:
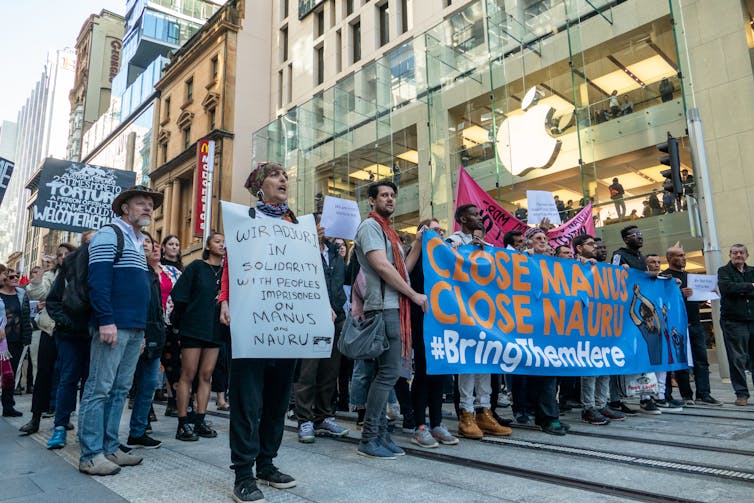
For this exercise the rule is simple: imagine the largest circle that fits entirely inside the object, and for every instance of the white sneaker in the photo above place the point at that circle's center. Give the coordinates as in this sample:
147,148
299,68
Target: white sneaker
306,432
393,411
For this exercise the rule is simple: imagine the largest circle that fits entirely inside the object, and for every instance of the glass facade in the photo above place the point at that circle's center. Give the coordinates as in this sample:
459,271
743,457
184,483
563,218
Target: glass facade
450,97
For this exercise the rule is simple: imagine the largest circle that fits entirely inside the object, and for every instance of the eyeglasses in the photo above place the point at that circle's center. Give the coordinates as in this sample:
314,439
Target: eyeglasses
636,234
589,243
14,276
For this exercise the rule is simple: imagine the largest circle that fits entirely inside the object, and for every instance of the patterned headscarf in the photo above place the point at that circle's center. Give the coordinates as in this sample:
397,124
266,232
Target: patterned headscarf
257,176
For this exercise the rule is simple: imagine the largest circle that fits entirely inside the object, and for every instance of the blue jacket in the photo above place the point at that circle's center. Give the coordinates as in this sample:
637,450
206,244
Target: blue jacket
118,293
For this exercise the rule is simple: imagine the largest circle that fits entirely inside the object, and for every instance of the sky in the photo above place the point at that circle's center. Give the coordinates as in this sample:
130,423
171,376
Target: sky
28,29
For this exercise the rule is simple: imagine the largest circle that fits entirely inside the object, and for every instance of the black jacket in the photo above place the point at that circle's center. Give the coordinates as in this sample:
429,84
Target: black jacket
24,337
736,292
154,334
66,324
635,260
335,277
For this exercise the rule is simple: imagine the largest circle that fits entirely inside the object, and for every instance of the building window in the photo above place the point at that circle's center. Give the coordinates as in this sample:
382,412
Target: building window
167,108
190,89
404,16
211,113
349,7
319,54
289,96
338,51
284,44
280,89
284,8
164,152
320,24
215,68
356,37
186,137
383,14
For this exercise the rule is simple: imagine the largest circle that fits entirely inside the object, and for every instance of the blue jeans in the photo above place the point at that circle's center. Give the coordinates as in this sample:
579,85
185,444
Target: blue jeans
145,382
73,362
363,373
111,371
388,366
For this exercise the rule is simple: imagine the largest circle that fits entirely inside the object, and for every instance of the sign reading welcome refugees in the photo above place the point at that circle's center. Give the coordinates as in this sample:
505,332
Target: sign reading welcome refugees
492,310
279,306
77,197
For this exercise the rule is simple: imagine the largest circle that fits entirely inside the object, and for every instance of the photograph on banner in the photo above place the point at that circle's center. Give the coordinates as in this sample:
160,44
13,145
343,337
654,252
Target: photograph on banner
77,197
279,307
340,217
494,310
703,287
540,205
6,171
497,220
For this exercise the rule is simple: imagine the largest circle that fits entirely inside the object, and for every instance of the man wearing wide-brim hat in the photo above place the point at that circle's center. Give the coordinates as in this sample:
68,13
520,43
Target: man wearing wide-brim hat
119,291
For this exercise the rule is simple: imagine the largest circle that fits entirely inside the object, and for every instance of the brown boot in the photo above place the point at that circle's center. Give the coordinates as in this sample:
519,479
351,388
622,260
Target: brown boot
487,424
467,427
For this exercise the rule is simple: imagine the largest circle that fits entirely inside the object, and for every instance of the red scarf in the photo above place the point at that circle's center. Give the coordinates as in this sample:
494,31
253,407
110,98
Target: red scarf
404,304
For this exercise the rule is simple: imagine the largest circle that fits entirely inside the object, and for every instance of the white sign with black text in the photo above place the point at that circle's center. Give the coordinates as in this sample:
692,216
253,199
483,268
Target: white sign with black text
340,217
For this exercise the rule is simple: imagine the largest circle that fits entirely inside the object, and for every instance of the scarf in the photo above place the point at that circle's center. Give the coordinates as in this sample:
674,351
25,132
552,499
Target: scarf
404,304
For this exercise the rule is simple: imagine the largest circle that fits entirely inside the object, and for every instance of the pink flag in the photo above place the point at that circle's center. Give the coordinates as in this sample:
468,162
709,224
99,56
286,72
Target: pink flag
498,221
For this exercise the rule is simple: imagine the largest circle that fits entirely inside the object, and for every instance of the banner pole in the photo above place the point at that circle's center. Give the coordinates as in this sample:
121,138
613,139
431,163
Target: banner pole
208,195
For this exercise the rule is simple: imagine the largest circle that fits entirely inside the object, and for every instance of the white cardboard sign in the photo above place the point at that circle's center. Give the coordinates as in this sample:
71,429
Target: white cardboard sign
340,217
541,204
279,306
703,287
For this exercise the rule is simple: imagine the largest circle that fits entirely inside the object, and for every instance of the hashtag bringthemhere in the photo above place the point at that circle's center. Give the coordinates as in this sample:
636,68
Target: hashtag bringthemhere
438,348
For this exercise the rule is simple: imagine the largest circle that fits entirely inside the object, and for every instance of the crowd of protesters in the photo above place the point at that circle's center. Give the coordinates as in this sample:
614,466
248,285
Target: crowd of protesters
155,324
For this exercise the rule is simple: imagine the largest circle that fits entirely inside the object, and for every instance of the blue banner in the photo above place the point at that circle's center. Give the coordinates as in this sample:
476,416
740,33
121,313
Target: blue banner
492,310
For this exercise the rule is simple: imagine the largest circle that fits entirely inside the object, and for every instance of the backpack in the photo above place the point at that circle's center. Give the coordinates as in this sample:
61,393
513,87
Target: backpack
76,269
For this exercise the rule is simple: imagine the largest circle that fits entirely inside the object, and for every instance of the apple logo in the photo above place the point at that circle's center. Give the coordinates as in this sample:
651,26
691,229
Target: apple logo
523,141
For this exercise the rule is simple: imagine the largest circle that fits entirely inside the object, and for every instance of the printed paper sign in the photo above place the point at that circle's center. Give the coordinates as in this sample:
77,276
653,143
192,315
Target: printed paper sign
541,205
492,310
703,287
77,197
6,170
279,306
340,217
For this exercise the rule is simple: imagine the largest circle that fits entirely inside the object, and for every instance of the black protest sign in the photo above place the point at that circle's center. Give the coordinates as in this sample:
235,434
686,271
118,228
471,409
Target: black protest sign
77,197
6,170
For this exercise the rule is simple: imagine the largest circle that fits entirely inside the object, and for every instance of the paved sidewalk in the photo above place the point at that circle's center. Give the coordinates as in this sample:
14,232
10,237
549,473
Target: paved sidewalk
29,472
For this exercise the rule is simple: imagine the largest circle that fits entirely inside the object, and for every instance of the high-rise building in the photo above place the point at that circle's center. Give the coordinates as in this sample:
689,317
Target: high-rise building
8,131
98,50
42,131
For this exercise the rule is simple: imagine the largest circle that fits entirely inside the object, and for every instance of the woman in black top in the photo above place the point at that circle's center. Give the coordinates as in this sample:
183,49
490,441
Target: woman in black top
196,316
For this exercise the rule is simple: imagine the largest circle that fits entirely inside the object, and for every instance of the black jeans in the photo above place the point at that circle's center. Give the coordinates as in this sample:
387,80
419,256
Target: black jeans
542,391
739,344
426,390
259,392
701,363
220,374
315,385
15,349
43,389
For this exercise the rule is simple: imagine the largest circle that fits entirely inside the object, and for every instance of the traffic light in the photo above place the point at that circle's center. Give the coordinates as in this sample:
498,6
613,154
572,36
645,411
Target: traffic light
673,160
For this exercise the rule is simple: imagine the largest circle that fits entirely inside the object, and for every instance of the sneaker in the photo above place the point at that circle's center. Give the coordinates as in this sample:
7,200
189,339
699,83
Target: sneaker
388,444
203,430
593,416
247,490
648,406
186,433
554,428
622,407
330,428
393,412
423,438
468,427
374,449
612,415
523,418
443,436
741,401
275,478
708,400
144,441
99,465
57,441
488,425
688,402
670,405
122,458
306,432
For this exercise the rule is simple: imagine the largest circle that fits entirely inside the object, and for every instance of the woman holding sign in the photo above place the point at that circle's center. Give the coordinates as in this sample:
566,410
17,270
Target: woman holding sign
259,387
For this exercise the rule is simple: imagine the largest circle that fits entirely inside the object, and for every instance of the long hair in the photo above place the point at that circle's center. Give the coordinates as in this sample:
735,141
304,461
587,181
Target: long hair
178,259
205,251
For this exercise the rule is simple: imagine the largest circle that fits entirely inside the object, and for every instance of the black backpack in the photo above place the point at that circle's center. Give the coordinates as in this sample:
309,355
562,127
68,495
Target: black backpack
76,269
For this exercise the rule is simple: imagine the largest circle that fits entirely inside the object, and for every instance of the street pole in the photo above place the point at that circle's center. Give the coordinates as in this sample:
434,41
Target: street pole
208,196
713,259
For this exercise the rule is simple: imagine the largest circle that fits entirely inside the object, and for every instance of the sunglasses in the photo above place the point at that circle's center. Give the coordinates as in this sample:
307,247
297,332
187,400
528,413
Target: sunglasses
636,234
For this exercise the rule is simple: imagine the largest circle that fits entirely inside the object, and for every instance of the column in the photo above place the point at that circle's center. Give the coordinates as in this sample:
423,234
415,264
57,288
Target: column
175,211
166,210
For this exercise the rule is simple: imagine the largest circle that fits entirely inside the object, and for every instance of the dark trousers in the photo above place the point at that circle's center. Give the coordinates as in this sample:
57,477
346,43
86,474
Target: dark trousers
171,360
403,394
543,390
259,392
739,344
426,390
569,389
344,381
73,362
315,385
15,349
701,363
43,388
521,395
220,374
